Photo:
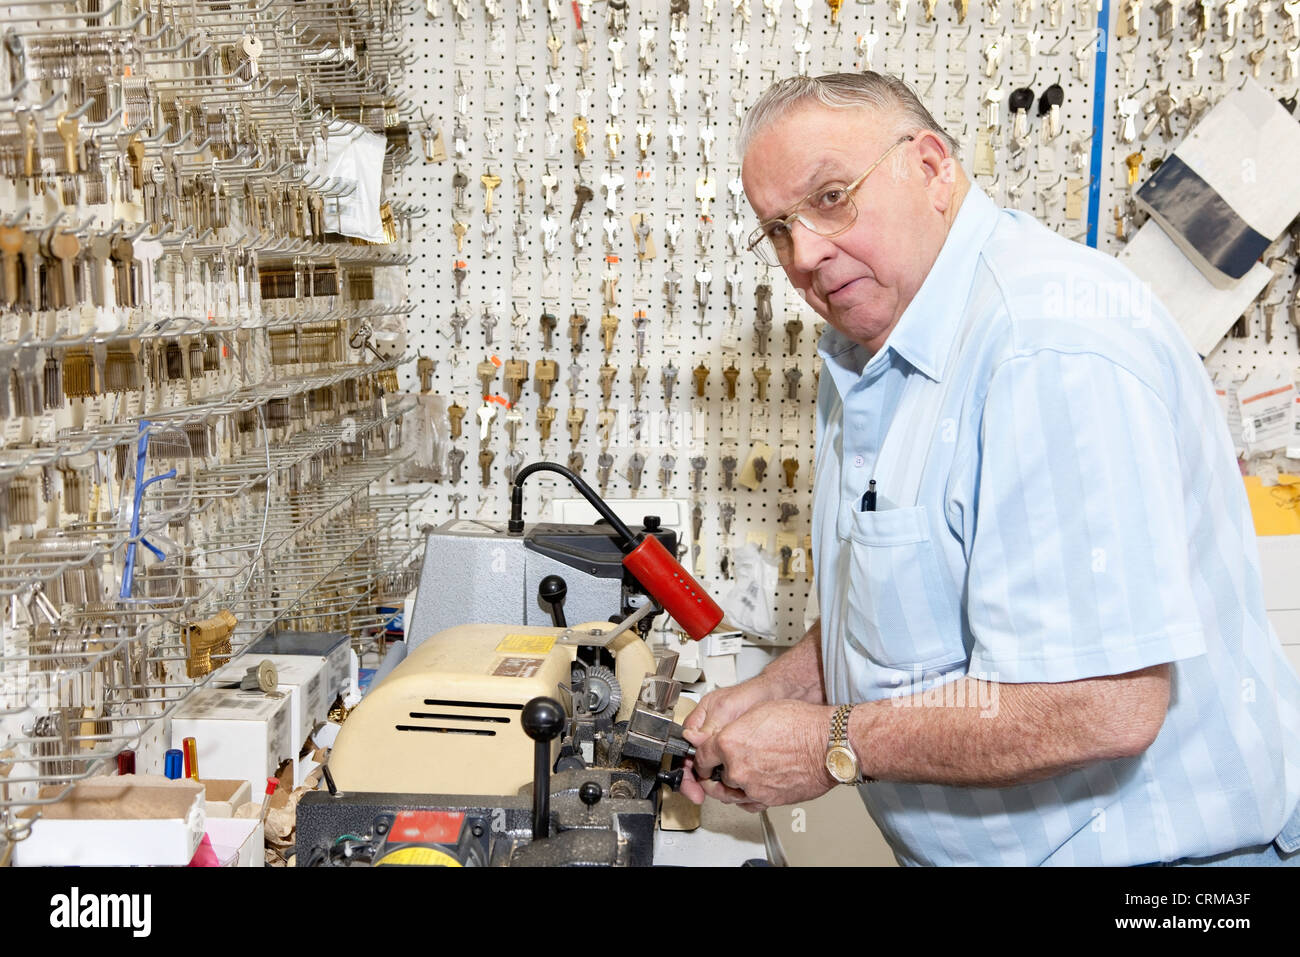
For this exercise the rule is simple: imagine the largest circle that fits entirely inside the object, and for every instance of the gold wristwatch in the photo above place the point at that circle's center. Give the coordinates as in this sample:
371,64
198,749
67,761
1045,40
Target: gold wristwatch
841,762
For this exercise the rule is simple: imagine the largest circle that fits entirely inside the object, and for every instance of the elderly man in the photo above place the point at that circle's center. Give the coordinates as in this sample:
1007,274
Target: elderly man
1042,635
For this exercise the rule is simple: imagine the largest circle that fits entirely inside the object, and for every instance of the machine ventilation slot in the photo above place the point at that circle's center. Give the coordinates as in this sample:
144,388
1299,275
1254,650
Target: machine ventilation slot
460,717
418,727
473,704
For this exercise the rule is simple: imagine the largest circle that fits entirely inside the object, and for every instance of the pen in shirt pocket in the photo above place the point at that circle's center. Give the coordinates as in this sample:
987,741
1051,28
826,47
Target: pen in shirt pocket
869,497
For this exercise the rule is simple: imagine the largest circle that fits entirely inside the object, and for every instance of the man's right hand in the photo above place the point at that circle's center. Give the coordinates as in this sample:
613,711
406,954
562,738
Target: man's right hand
716,710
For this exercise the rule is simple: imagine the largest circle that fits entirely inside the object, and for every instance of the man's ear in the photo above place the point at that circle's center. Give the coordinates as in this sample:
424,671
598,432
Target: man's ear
939,169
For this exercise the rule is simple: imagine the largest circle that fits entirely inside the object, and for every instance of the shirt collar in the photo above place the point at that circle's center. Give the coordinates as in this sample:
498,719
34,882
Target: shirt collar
925,331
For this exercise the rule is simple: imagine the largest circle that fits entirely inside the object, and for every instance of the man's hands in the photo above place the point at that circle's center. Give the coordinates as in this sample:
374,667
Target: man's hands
772,749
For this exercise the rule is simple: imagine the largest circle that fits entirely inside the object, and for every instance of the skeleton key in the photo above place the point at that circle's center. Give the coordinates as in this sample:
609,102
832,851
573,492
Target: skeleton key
485,457
486,413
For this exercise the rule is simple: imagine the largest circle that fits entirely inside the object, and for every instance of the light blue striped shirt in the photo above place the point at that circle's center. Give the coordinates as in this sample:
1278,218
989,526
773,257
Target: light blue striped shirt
1085,517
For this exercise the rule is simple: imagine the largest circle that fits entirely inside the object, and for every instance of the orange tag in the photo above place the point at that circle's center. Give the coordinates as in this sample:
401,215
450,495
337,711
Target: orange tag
460,264
577,14
611,259
495,361
498,399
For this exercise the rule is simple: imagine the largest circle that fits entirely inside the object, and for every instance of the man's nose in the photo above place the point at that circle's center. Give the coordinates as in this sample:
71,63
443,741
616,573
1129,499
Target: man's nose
808,248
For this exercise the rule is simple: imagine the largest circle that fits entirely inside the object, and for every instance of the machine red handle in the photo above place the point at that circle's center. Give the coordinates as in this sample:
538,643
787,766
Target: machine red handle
673,587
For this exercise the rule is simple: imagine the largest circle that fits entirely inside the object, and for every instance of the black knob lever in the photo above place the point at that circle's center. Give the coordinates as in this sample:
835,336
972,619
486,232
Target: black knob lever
551,590
543,721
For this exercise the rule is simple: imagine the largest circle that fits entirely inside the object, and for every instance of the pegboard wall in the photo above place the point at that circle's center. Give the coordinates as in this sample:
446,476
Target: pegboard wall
657,91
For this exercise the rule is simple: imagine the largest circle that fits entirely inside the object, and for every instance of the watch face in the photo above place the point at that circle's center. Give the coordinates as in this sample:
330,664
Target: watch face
842,765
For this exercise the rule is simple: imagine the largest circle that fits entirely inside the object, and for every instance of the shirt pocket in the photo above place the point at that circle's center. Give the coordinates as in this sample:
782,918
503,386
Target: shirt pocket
901,607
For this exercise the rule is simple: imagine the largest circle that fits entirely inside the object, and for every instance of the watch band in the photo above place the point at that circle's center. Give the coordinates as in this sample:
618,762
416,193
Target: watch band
840,737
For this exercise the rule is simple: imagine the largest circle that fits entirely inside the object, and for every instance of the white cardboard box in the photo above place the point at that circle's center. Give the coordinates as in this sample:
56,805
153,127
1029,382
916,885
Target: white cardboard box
131,820
237,842
240,734
305,679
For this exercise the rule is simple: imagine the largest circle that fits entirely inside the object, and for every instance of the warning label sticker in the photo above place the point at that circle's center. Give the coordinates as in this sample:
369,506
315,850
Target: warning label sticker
526,644
517,667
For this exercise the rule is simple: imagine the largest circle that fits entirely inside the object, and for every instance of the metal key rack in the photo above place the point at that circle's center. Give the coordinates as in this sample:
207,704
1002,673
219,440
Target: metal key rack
198,416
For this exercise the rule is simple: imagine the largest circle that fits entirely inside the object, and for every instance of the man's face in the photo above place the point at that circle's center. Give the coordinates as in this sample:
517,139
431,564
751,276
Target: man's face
862,280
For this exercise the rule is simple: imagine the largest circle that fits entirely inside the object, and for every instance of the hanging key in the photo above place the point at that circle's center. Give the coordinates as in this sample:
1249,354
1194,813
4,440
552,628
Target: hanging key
455,415
728,472
604,466
485,413
698,464
761,376
730,376
635,465
667,463
639,373
11,244
608,329
548,322
486,372
577,326
455,457
485,457
574,420
545,372
514,419
66,247
792,377
701,377
545,416
68,129
516,374
490,182
607,374
790,467
668,380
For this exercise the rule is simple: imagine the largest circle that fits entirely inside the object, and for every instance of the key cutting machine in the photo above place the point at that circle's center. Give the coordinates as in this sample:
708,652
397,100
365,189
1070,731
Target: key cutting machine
517,744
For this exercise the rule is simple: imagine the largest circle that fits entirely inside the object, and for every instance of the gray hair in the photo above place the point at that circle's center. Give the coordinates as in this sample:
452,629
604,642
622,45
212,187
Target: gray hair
889,96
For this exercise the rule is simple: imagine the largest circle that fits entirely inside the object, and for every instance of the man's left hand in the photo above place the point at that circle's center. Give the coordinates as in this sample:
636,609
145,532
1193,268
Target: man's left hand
773,754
